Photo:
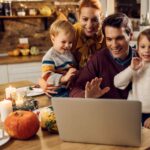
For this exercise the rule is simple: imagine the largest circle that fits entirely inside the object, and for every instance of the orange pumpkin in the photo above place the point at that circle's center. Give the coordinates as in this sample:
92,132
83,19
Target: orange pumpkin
21,124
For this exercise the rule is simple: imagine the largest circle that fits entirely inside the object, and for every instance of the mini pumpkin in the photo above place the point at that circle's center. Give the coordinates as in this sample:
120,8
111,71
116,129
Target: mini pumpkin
21,124
48,120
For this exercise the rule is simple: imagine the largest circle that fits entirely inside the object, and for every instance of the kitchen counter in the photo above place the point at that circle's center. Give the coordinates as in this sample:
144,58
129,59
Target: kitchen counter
42,99
20,59
20,68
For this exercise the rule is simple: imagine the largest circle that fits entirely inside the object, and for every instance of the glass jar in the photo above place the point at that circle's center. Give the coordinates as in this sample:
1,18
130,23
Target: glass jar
7,8
2,9
21,12
32,12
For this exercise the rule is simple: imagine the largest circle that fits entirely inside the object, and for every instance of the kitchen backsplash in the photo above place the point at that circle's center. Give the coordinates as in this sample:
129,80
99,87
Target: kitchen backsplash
32,28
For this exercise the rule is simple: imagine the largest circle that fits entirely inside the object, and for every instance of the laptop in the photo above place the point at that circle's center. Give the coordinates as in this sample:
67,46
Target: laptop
99,121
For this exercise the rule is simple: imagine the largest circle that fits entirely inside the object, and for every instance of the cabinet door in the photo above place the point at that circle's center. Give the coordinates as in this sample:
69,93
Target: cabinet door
3,74
24,71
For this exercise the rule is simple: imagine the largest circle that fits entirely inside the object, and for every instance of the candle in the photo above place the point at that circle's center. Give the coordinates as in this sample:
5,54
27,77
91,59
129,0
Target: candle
19,102
10,92
5,109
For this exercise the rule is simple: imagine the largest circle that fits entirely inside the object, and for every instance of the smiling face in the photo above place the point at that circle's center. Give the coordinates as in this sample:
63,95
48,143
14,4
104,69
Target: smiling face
117,41
62,42
144,48
90,20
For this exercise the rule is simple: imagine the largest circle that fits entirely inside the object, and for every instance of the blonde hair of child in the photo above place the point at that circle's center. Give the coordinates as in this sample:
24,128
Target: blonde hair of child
93,4
62,26
146,33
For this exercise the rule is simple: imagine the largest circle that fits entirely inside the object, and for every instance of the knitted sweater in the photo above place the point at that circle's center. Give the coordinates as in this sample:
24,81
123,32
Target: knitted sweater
140,85
56,64
102,65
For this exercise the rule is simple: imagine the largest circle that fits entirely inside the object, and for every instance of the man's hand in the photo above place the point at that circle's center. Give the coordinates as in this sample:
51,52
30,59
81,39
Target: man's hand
147,123
136,63
93,90
70,73
47,88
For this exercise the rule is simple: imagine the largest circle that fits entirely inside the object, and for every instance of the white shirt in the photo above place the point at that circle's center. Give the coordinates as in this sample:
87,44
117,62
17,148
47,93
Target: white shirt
140,85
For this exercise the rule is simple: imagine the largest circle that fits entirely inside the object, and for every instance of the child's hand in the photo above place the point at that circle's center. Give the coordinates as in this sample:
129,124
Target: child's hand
136,63
70,73
147,123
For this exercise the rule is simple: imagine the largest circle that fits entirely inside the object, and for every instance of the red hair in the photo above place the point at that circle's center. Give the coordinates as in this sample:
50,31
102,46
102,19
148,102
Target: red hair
91,3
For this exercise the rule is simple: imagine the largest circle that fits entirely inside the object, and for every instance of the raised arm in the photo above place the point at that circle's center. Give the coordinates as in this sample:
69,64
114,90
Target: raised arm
86,74
89,80
122,79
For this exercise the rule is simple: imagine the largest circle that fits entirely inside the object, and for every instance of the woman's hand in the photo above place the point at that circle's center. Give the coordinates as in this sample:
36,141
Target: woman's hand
47,88
93,90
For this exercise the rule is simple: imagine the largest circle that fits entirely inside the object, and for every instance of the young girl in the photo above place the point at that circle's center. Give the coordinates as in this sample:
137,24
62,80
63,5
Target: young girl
88,31
58,63
139,74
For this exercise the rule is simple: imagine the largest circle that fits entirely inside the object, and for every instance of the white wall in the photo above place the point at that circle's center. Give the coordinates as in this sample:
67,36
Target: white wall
108,6
144,7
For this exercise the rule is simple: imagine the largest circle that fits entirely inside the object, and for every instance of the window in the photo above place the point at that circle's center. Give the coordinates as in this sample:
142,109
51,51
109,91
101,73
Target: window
132,8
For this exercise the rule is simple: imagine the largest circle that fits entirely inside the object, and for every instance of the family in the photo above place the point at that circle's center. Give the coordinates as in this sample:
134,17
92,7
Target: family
93,59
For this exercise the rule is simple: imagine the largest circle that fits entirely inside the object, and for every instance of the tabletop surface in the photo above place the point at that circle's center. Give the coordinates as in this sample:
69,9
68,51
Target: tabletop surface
46,141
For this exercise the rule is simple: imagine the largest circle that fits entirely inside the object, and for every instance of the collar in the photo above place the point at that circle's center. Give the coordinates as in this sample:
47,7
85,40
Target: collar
127,60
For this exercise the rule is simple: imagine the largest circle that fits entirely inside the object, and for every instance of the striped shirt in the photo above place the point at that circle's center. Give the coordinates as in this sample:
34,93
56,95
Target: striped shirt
56,64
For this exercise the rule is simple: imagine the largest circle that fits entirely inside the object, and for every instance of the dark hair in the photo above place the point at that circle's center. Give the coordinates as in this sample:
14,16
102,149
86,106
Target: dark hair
146,33
117,20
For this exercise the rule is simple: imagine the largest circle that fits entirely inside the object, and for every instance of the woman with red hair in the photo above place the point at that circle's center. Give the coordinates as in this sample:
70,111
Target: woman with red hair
88,31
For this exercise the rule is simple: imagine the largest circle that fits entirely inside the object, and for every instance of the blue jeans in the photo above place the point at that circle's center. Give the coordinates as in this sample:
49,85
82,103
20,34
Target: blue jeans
61,92
144,117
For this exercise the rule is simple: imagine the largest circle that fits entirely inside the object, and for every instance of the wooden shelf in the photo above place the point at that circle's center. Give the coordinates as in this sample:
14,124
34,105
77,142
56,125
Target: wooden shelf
16,1
23,17
2,18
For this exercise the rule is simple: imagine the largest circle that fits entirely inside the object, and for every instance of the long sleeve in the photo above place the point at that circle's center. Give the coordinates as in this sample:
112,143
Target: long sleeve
86,74
122,79
54,79
48,67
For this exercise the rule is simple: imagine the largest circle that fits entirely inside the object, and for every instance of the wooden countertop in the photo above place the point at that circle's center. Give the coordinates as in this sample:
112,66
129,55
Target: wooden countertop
43,99
19,59
46,141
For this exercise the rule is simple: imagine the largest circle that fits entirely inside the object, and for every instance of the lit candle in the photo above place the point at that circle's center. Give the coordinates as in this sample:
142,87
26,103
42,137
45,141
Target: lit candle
5,109
10,93
19,101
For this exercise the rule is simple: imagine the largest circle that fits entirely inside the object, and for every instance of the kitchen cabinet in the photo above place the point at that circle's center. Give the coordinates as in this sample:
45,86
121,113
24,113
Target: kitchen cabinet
18,72
3,74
